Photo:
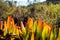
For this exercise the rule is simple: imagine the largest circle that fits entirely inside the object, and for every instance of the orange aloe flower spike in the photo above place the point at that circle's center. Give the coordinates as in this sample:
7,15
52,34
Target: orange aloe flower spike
1,25
8,22
39,26
12,22
40,23
30,23
47,26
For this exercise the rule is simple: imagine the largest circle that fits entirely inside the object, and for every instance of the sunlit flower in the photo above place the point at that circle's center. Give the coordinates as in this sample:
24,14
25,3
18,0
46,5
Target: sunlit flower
30,23
39,25
1,25
5,28
11,27
8,22
22,27
32,36
35,26
46,31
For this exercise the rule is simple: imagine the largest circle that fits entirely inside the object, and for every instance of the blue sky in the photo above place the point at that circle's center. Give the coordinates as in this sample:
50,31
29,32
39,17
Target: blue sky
25,3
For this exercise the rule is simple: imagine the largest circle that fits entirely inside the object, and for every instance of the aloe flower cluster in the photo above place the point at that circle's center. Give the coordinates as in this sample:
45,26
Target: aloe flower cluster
32,30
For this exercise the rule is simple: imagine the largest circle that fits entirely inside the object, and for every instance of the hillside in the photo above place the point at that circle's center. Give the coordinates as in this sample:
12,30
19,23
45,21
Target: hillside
49,13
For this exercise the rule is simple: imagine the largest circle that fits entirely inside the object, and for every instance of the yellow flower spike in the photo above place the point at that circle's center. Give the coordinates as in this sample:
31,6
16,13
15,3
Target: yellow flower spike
52,36
39,25
32,36
20,32
39,28
23,28
35,26
30,23
46,27
5,28
17,31
46,31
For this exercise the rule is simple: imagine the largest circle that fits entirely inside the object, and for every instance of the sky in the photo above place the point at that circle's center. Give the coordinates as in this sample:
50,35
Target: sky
25,3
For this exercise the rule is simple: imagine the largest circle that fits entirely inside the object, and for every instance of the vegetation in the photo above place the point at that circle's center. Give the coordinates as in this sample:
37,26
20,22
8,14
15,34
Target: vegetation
48,13
25,22
32,30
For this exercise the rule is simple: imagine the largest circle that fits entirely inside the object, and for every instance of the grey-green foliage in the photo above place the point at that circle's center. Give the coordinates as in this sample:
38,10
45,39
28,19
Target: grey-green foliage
49,13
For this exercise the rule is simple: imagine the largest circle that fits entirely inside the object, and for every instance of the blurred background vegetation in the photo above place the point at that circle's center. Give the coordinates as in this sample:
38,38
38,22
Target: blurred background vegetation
49,12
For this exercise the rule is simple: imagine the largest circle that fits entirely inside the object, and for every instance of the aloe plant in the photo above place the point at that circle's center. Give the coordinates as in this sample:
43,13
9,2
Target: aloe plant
33,30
